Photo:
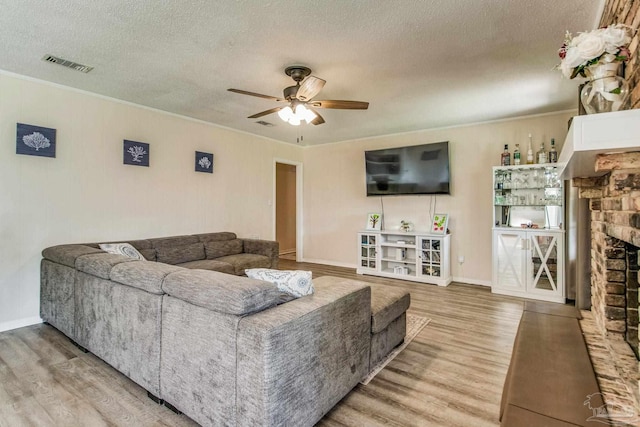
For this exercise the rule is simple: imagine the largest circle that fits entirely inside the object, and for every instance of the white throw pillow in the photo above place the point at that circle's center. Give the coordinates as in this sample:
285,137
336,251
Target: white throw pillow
294,282
122,249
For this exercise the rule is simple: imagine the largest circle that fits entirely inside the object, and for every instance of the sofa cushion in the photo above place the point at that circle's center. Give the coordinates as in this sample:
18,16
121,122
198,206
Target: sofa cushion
297,283
180,254
209,264
100,264
221,292
387,304
223,248
148,254
216,237
241,262
67,254
173,241
147,276
125,249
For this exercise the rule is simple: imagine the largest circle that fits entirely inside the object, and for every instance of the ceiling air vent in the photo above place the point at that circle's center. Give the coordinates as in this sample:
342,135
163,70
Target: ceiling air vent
68,64
263,123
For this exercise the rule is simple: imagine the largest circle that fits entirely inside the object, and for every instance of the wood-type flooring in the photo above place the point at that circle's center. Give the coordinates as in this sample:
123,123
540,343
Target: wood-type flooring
451,374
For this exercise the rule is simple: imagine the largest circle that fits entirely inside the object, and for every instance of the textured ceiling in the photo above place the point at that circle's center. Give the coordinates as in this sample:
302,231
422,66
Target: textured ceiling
420,63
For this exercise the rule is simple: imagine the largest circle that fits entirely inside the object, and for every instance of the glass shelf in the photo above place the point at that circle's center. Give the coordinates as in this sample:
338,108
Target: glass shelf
536,205
532,195
527,188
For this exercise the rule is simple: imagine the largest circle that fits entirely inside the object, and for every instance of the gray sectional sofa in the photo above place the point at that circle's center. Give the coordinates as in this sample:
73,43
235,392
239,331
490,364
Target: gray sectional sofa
223,349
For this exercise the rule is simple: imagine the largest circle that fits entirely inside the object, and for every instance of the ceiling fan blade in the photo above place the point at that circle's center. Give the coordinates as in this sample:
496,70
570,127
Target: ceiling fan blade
309,88
318,120
259,95
264,113
344,105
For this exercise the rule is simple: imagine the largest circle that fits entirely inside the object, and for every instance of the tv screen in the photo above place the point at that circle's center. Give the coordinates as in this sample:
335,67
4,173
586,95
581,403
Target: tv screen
418,169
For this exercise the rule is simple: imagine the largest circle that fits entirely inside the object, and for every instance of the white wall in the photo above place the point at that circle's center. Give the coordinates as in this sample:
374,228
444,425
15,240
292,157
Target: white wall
336,206
86,193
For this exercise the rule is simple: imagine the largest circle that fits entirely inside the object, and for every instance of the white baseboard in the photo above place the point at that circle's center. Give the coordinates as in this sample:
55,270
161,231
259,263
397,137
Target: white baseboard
464,280
468,281
20,323
325,262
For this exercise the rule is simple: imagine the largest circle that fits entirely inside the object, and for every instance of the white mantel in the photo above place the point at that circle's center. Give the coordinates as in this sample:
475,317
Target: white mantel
595,134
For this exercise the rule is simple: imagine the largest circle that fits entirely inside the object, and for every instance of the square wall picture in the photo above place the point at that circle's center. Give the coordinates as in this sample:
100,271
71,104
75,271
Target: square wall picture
35,141
136,153
374,221
204,162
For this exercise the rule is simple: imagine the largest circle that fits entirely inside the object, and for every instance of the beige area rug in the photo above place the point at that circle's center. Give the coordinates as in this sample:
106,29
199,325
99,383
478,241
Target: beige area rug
415,324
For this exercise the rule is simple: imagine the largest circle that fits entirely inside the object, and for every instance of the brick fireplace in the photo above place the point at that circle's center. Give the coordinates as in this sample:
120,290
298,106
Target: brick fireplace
614,202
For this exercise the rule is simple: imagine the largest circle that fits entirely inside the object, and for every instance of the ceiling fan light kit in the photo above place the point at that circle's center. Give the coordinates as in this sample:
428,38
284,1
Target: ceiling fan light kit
297,115
300,98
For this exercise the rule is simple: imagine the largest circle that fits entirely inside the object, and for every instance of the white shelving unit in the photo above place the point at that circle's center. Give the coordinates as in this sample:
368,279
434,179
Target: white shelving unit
528,239
416,256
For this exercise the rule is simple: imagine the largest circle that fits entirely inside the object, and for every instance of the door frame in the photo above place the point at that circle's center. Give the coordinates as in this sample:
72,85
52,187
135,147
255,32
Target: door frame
299,230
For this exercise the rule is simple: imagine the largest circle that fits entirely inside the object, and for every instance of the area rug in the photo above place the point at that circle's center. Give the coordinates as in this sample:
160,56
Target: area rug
415,324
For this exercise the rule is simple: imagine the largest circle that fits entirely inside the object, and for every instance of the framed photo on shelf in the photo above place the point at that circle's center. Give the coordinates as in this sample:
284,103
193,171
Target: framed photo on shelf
374,221
439,223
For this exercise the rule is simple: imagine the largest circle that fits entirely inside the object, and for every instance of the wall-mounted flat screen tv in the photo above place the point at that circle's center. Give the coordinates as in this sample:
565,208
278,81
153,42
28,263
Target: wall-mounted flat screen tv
417,169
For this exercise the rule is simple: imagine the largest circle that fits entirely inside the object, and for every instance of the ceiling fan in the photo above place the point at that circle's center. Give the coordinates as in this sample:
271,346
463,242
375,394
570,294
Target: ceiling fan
299,98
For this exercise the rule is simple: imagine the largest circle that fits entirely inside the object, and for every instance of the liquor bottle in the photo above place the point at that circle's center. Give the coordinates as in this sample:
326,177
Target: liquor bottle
542,155
553,154
516,155
505,158
530,153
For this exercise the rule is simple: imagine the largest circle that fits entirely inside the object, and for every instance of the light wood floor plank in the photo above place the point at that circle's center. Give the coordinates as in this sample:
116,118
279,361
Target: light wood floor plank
451,374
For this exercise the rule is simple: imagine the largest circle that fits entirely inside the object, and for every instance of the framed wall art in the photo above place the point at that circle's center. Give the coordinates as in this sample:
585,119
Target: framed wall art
374,221
204,162
35,140
135,153
439,223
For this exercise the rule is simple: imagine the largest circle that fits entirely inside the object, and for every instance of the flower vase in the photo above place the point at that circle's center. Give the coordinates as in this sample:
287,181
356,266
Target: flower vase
605,91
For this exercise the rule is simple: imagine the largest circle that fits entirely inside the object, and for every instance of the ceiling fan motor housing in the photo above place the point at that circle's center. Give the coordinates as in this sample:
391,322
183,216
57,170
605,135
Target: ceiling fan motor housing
297,72
290,92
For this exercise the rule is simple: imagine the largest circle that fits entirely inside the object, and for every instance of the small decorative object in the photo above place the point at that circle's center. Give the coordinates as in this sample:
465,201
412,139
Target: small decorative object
401,254
405,226
204,162
35,141
439,223
136,153
597,55
398,269
374,221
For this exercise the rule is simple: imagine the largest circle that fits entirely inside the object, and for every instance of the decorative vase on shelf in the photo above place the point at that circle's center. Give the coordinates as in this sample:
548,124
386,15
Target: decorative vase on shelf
605,91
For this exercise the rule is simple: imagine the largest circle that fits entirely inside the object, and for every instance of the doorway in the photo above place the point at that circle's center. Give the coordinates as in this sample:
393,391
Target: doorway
287,208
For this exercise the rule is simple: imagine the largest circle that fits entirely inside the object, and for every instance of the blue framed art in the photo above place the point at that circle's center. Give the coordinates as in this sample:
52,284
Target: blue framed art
35,140
135,153
204,162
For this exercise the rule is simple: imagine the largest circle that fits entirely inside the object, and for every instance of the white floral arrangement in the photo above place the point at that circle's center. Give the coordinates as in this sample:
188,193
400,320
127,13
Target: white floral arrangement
600,46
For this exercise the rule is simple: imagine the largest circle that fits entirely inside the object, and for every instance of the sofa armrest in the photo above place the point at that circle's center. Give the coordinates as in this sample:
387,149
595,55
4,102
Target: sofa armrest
268,248
297,360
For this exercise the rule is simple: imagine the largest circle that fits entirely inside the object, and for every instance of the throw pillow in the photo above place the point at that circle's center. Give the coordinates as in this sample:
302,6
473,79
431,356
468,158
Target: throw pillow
294,282
122,249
